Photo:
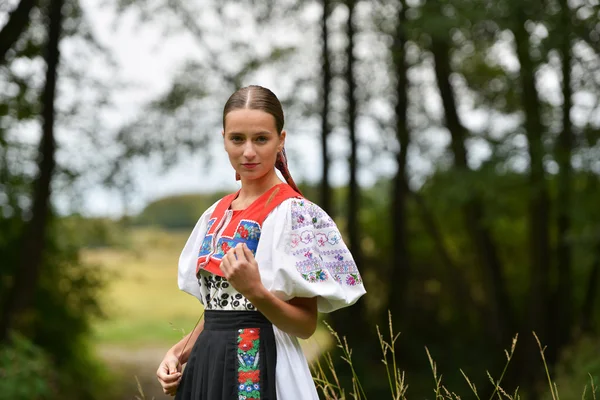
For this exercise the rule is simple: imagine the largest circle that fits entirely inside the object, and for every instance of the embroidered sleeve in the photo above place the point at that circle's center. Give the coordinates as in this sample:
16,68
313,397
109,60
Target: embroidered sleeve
308,257
317,246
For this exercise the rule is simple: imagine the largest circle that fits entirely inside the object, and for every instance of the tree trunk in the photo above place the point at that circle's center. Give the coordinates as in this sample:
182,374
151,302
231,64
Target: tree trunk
353,189
325,126
353,322
591,293
563,297
401,260
539,204
458,281
586,321
14,28
501,319
16,311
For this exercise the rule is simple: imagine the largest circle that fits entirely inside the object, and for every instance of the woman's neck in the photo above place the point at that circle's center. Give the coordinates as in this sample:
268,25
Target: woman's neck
253,189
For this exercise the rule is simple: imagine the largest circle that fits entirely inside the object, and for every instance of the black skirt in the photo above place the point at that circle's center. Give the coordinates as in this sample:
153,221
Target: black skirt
234,358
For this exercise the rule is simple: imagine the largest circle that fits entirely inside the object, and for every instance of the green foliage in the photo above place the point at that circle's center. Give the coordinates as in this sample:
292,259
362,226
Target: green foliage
579,366
577,375
26,372
65,304
67,297
176,212
96,232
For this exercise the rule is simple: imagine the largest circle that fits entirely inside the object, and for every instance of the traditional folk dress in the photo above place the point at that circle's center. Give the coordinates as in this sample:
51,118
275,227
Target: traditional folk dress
300,253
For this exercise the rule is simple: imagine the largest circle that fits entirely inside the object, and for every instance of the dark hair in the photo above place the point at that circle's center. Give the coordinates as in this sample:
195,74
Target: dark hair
255,97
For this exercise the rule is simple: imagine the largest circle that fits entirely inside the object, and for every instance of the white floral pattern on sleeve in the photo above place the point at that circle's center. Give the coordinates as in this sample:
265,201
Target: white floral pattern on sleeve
317,245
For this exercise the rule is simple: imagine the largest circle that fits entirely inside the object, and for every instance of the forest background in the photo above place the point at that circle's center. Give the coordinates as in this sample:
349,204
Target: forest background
455,142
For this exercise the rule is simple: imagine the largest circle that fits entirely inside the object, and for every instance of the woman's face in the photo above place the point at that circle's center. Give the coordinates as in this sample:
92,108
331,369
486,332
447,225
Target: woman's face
252,142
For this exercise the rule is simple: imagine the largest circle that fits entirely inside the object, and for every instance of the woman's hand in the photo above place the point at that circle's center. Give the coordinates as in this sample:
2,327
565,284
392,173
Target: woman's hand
297,317
169,374
241,270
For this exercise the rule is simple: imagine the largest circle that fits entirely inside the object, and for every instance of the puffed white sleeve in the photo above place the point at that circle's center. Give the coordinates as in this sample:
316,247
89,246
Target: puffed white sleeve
186,274
301,253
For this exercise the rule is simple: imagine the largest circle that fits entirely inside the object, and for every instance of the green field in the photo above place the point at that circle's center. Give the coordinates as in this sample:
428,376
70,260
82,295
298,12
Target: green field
143,303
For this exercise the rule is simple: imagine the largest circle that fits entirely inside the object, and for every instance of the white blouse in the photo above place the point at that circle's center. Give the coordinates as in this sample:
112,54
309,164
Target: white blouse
300,254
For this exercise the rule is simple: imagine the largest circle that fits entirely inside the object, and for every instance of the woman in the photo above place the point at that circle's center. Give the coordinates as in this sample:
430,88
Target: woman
262,261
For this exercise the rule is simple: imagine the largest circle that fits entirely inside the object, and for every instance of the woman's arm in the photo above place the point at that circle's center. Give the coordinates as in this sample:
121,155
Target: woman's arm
187,342
169,370
297,317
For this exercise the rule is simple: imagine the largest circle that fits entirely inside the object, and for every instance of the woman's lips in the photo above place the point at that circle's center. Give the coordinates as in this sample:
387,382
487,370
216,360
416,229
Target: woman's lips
250,165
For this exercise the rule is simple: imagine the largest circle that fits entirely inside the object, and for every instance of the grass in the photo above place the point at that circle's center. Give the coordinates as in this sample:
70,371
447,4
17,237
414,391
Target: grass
326,379
143,304
327,382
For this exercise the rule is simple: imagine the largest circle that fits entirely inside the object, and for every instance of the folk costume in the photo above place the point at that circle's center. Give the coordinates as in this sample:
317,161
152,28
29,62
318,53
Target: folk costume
300,253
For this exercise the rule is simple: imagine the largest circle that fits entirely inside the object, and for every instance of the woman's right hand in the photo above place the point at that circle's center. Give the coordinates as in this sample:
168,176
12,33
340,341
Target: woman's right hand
169,374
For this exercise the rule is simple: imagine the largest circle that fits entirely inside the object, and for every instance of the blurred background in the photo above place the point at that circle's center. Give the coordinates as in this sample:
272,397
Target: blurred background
455,142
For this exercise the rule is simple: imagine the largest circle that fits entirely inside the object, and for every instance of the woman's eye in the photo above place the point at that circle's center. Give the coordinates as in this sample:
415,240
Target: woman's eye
262,139
237,139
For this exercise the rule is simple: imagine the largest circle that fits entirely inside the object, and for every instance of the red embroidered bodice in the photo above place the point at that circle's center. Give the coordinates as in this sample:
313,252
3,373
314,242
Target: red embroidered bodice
227,228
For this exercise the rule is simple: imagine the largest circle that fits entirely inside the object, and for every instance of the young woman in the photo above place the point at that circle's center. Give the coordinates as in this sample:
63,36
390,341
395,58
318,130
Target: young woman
262,261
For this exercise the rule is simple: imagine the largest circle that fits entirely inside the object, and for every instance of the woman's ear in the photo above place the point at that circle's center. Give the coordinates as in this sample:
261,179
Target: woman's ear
282,140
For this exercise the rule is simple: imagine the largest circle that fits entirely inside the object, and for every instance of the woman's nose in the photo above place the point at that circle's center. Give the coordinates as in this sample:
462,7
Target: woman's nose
249,151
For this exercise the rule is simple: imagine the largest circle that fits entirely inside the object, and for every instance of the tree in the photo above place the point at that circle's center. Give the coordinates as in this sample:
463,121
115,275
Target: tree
473,210
401,264
20,296
325,200
14,28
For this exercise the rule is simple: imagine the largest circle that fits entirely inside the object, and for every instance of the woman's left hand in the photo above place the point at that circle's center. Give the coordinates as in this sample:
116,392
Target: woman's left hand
241,270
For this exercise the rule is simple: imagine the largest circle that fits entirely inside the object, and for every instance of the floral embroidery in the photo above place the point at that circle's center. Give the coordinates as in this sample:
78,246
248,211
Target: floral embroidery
210,224
333,237
309,214
321,239
353,279
206,247
224,246
247,232
248,368
307,236
314,276
294,240
319,248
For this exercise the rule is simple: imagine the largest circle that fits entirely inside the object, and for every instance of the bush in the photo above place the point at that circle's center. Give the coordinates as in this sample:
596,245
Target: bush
54,361
579,368
25,371
176,212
